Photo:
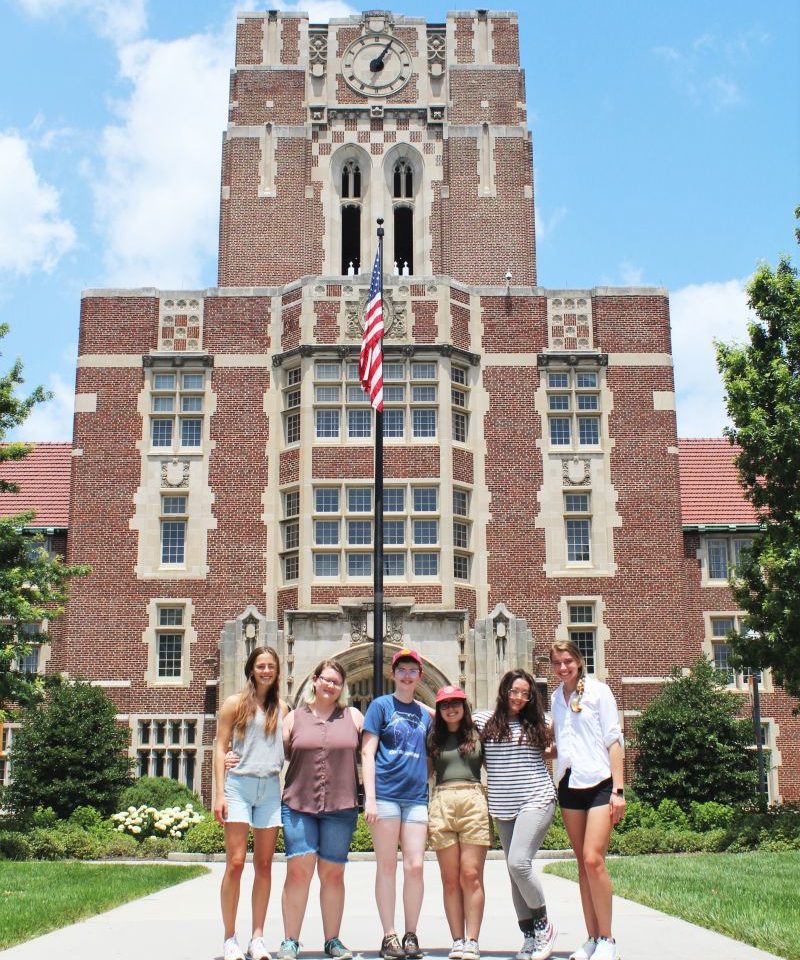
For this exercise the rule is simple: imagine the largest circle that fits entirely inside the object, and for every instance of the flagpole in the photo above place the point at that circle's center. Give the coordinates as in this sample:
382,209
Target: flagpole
377,582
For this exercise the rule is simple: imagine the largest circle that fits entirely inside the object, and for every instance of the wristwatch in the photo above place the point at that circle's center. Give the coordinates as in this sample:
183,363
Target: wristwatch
620,792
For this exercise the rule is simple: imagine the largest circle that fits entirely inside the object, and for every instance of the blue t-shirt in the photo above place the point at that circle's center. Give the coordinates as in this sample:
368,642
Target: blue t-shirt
401,766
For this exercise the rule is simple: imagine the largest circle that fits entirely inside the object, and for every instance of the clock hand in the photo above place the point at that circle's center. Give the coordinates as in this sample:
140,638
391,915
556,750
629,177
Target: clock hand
376,64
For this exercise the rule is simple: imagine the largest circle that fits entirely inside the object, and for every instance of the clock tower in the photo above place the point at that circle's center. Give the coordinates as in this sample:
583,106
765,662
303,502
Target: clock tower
379,115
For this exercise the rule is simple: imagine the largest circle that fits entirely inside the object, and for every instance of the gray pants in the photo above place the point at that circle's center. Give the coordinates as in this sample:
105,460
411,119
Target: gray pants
521,839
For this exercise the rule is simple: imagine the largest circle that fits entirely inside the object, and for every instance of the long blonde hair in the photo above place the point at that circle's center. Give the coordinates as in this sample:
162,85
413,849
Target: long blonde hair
570,647
248,698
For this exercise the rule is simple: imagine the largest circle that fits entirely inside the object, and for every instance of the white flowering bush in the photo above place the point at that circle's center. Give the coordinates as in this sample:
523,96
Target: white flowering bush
144,821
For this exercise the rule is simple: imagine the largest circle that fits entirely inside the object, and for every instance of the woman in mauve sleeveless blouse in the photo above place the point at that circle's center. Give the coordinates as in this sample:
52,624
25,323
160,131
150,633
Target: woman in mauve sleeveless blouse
320,806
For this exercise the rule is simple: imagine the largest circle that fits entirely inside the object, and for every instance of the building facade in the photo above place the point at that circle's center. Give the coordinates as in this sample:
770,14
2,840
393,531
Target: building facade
222,460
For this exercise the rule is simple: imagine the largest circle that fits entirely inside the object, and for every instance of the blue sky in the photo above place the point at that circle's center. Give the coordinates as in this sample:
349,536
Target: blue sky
666,151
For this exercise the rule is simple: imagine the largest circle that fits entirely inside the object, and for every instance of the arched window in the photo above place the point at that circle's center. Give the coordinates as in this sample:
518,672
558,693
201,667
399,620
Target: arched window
403,180
404,238
351,180
351,237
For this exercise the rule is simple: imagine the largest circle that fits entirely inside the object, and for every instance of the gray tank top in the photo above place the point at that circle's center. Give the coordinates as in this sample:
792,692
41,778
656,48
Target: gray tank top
261,755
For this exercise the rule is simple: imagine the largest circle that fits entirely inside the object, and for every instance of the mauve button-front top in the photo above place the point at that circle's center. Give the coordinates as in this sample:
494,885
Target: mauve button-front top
322,775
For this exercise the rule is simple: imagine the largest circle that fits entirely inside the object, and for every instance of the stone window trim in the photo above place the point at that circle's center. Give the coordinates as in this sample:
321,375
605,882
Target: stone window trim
150,637
770,731
601,631
179,365
710,538
184,746
8,731
40,645
570,423
739,683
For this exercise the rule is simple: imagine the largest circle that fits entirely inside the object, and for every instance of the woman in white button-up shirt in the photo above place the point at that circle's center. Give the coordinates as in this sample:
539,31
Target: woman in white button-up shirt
589,777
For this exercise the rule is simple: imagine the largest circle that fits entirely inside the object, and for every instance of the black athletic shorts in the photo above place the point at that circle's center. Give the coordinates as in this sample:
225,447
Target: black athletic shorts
597,796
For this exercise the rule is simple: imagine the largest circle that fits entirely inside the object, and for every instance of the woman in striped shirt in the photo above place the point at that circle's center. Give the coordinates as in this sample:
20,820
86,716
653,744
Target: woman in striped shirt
522,799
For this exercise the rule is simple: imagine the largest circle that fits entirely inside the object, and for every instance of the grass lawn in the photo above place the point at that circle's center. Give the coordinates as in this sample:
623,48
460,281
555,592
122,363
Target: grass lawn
751,897
38,897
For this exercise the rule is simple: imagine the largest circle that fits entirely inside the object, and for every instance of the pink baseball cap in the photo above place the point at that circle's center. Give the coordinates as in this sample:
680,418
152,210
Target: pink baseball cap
450,693
406,653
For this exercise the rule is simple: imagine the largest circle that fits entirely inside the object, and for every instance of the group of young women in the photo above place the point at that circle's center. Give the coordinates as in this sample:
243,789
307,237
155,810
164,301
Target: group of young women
402,742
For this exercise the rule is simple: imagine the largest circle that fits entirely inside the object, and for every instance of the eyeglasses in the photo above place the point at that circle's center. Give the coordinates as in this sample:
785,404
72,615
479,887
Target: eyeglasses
451,704
407,671
518,695
329,682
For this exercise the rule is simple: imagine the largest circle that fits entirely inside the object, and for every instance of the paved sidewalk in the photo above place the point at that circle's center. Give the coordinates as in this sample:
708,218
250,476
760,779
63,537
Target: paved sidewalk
182,923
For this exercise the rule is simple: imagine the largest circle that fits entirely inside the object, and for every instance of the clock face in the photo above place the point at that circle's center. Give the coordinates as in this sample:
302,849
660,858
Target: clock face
376,65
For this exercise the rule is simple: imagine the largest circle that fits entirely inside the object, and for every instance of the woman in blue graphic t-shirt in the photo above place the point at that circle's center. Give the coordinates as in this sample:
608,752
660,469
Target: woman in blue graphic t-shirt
395,771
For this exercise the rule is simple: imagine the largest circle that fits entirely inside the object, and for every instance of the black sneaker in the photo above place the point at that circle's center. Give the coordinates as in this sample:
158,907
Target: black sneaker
335,949
391,949
411,947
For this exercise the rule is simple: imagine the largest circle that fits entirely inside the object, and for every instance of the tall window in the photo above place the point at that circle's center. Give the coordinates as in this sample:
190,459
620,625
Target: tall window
459,399
177,402
462,535
721,627
578,527
583,632
573,404
351,217
8,732
403,191
169,643
292,379
167,747
290,531
173,529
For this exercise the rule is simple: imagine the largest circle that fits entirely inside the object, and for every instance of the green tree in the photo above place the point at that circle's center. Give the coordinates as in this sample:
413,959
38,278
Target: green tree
692,745
33,585
762,383
69,752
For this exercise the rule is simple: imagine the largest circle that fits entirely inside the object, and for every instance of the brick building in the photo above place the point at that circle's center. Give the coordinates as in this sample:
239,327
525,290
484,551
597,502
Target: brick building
222,459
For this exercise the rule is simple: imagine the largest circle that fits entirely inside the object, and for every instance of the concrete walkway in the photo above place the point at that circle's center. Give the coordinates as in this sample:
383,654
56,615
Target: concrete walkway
182,923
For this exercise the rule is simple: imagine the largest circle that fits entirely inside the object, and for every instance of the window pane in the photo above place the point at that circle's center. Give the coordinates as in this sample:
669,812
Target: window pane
559,431
191,404
194,381
328,394
326,532
423,371
327,371
191,432
460,503
576,502
587,401
458,375
161,433
163,404
357,395
291,536
459,427
359,532
426,564
584,641
359,499
393,423
718,559
173,540
394,564
359,564
292,399
581,613
578,541
293,428
722,656
394,500
423,394
458,398
352,372
559,401
173,504
293,376
326,564
394,394
426,531
740,547
326,499
169,654
558,381
164,381
721,626
586,381
424,423
460,567
291,503
460,535
394,371
394,532
589,431
327,423
424,499
359,423
291,567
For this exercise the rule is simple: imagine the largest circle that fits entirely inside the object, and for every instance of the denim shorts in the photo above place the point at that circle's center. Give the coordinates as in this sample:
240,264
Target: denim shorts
407,811
326,834
253,800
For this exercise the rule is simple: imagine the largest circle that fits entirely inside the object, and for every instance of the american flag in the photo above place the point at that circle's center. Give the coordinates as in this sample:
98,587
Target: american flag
370,361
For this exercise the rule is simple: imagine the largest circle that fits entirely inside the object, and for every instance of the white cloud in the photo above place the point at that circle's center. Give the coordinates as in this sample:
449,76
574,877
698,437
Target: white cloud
118,20
32,233
51,421
703,72
631,275
546,226
702,313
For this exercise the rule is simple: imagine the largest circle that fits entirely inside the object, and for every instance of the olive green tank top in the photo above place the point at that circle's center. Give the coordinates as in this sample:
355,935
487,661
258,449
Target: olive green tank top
450,766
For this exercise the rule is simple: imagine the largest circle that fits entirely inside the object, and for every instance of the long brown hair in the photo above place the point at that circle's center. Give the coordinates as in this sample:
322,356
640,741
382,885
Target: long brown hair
533,729
572,648
466,734
248,698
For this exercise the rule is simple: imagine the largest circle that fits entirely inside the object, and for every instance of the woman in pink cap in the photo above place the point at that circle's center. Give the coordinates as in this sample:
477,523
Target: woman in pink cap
458,819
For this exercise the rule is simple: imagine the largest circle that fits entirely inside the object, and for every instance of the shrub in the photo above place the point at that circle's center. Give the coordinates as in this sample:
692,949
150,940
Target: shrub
117,845
556,838
637,814
142,822
155,848
362,838
69,752
710,815
641,840
158,792
47,844
86,818
681,841
692,745
14,846
78,844
44,817
714,841
671,816
206,837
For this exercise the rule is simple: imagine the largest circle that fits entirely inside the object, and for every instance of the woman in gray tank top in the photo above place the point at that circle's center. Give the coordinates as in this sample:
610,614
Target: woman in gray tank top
250,724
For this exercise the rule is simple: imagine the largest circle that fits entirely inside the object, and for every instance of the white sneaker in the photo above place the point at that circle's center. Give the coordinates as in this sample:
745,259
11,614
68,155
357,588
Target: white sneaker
586,951
470,951
257,950
527,948
605,950
543,941
457,950
232,951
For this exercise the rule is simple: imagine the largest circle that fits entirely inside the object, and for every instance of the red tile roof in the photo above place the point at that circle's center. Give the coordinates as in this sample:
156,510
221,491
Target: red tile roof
710,489
43,480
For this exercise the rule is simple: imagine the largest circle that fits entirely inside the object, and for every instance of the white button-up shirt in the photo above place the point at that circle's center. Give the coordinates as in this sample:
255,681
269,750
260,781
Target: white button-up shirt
583,738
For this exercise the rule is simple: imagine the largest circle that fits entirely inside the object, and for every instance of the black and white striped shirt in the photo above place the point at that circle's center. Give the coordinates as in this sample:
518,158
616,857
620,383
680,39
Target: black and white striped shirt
516,775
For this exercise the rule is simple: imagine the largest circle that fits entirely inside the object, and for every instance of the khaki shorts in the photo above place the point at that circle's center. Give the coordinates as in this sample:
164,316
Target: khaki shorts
459,813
